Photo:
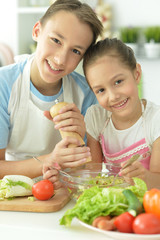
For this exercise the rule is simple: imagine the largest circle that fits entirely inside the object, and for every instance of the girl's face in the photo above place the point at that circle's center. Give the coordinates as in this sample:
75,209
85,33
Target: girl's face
61,44
115,86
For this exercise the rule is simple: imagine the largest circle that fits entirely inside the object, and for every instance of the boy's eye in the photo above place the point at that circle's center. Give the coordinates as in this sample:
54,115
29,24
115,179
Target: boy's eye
100,90
76,51
118,82
56,40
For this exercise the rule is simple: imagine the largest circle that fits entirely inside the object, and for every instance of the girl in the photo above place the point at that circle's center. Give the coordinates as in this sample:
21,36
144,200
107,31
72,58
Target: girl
121,125
31,86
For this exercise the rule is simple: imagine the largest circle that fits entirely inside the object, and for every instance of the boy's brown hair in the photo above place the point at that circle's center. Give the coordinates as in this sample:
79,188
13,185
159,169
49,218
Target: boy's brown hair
82,10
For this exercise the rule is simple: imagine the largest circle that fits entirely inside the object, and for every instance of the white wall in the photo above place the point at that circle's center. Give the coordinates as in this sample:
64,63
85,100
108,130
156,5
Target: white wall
133,12
125,12
8,23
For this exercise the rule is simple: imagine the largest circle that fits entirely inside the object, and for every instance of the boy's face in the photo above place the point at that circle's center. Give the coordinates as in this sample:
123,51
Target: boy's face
115,86
61,44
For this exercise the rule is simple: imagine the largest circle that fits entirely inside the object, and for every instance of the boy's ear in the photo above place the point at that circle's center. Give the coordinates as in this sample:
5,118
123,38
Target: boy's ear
138,73
36,30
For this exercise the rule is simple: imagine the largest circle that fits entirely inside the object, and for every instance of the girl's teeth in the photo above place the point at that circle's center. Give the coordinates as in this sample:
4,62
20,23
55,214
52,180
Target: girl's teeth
121,103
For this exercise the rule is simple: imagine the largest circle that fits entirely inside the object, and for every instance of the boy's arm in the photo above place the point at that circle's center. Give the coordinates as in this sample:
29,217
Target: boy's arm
28,167
95,149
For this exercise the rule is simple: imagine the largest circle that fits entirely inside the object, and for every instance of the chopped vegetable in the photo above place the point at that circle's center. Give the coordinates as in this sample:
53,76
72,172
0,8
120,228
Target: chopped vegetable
105,180
32,199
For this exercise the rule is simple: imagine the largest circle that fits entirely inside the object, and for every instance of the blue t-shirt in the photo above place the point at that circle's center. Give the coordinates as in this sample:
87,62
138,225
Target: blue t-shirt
8,77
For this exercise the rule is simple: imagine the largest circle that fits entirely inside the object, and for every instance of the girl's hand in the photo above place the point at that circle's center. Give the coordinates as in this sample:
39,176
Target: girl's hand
136,169
70,119
68,157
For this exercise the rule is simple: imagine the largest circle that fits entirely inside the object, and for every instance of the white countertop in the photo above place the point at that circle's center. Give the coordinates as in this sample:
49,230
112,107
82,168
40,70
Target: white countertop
28,225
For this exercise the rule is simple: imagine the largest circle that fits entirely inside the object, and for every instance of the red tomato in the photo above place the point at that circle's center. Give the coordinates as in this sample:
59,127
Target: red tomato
43,190
124,222
146,223
151,201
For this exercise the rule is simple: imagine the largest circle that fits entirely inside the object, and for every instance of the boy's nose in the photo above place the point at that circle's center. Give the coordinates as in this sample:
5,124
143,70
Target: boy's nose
60,58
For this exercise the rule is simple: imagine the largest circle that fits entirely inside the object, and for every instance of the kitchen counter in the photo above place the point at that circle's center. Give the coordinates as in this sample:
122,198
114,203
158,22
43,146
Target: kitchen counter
29,225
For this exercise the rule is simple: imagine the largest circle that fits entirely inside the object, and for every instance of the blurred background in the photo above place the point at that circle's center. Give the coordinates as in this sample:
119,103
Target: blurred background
135,22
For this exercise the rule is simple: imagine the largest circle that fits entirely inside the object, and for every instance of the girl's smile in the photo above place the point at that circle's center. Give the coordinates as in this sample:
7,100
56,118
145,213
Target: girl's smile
120,105
115,87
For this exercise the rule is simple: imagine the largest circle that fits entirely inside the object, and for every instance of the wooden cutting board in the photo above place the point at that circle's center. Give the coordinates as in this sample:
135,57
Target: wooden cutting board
22,204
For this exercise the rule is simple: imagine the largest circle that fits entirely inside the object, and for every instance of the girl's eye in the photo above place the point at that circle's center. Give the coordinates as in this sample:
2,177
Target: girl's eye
55,40
76,51
118,82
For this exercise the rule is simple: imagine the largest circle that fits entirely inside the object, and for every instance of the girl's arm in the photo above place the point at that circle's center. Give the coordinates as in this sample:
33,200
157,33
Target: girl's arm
95,149
151,176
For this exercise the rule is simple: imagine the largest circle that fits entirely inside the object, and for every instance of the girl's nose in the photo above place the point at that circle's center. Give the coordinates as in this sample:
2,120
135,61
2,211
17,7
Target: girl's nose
112,95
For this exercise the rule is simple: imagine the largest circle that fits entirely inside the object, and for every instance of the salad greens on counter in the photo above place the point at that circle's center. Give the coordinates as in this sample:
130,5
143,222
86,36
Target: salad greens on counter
97,201
15,185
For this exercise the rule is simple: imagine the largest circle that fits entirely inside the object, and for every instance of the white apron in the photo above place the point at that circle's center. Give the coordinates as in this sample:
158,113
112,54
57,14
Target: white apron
32,134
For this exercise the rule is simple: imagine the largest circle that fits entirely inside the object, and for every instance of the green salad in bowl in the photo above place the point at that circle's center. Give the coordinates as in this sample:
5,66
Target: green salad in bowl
92,174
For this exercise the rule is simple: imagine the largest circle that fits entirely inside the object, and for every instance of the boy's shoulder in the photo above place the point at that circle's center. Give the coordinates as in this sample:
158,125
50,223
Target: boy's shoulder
9,73
80,79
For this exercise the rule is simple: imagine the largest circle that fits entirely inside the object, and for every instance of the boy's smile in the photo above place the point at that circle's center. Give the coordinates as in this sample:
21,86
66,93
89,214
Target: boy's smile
61,44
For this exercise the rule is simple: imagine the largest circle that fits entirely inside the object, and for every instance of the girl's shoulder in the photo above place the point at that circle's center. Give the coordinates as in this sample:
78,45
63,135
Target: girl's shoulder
152,110
96,115
95,119
152,119
98,111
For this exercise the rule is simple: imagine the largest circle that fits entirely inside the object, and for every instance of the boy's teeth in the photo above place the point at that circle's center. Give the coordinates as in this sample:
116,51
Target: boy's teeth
55,69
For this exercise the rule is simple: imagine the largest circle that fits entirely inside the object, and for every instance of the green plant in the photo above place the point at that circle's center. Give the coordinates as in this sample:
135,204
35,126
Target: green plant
152,34
129,34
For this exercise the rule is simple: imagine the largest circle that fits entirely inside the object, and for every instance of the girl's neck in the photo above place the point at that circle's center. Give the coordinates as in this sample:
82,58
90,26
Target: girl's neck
125,123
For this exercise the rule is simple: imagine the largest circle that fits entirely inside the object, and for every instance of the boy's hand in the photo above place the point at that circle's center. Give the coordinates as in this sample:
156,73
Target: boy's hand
68,157
70,119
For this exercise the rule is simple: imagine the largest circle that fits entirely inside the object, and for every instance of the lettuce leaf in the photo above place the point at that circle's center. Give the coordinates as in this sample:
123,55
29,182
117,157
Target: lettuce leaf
97,201
11,187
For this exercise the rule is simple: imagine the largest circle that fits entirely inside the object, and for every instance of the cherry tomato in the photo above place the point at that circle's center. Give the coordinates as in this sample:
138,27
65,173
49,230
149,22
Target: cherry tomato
124,222
43,190
146,223
151,201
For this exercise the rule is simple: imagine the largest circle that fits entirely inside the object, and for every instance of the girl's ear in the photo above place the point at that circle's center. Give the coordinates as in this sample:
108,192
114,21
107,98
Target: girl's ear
36,31
138,73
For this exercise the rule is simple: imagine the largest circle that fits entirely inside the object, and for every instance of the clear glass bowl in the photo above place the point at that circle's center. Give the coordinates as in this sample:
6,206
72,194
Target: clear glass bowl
89,175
